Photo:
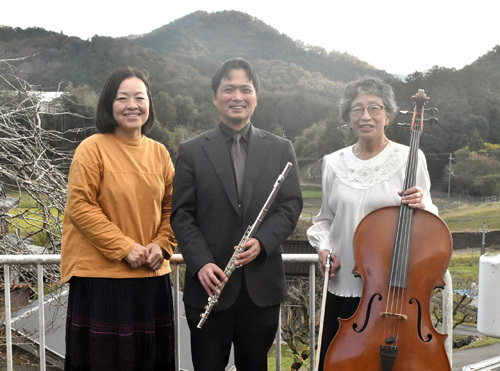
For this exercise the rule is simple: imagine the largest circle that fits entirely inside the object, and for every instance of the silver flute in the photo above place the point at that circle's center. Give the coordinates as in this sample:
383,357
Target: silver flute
230,267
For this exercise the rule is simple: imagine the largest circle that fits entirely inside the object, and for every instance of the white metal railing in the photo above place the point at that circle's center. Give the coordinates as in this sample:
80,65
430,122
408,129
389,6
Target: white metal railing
176,260
39,260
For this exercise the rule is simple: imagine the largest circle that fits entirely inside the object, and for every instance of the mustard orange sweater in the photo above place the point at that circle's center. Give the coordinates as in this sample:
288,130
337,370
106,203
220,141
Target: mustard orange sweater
119,192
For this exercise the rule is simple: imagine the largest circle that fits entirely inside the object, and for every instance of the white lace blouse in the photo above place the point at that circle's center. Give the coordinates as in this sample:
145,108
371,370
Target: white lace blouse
351,189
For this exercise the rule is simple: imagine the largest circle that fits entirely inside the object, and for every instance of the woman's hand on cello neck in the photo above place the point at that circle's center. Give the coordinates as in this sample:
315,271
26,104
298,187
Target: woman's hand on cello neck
414,198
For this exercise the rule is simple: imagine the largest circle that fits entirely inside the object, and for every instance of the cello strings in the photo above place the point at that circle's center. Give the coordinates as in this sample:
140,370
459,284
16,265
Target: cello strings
408,222
400,260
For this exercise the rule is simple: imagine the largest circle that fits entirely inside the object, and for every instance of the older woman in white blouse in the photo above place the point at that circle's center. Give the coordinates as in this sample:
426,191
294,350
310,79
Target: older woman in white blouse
357,180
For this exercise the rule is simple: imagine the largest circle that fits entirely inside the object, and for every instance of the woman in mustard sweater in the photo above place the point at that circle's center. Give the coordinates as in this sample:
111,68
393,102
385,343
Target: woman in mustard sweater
117,237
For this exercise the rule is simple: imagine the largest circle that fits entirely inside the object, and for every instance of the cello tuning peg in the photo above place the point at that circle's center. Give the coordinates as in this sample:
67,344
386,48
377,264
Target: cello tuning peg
433,120
432,110
406,112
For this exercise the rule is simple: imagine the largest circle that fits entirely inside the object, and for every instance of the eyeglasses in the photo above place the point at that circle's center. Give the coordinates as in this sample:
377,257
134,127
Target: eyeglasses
373,110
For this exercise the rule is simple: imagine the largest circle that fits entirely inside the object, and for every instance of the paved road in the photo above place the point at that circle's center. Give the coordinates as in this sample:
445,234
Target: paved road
466,357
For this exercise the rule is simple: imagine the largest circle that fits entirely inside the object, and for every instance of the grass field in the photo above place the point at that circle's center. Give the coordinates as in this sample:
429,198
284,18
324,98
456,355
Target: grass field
466,218
28,220
26,200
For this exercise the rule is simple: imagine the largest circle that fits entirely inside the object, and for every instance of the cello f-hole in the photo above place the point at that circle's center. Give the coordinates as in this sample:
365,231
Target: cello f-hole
419,322
367,318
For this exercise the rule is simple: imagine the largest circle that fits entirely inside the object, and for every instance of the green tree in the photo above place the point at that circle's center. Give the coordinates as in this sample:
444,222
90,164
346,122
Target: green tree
476,142
165,110
476,172
205,117
323,137
185,109
163,136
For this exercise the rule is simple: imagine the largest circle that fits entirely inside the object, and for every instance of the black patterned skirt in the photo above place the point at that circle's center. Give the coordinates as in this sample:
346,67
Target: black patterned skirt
120,324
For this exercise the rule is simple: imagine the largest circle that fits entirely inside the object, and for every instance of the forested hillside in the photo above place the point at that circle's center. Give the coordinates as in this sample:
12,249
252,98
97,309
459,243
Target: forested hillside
301,84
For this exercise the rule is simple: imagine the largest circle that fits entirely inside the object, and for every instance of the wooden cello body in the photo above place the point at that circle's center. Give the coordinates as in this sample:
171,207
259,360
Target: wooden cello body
402,255
357,345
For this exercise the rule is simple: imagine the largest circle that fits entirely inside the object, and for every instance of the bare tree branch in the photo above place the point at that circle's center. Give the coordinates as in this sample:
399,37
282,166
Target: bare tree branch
34,162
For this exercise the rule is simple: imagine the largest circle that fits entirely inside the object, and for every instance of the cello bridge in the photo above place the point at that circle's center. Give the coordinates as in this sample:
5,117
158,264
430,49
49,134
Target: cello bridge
397,315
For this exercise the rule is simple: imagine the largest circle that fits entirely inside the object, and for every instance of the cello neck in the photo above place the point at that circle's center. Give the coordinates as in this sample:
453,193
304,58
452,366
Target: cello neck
417,126
400,261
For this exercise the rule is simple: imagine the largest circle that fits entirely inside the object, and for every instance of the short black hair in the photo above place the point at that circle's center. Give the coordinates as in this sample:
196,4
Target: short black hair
104,120
225,69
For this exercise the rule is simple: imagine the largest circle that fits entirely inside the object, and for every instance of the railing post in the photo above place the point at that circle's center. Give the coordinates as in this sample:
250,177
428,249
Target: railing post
8,329
447,308
483,239
41,316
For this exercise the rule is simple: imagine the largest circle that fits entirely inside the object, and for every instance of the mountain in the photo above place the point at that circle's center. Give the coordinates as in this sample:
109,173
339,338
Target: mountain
50,60
301,85
200,40
222,35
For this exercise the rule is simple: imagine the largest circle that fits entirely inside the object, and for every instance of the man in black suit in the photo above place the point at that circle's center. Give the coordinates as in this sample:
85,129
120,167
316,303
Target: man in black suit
209,218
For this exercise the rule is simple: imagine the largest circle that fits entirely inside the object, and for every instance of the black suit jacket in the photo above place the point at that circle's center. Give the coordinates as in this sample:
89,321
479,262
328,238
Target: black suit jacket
208,221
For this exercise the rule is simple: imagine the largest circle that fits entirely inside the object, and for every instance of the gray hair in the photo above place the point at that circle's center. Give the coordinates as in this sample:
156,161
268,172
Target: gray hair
368,85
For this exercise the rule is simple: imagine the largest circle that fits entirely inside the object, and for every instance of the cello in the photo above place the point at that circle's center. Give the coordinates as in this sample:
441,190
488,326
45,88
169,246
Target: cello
401,255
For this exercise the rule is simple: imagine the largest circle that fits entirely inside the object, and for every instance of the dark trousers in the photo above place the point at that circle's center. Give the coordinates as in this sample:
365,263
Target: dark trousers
251,329
336,306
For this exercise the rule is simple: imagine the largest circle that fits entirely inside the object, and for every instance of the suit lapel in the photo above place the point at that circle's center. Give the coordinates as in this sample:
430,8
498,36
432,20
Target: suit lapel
258,147
216,150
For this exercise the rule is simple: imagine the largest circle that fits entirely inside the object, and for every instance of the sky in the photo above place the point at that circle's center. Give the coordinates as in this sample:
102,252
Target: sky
398,36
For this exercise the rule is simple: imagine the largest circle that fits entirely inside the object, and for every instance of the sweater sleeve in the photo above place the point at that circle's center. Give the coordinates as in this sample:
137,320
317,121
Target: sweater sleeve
84,210
165,237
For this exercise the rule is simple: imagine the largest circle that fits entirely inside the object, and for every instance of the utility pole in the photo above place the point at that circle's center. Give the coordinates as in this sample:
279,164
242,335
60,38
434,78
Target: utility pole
483,239
449,178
